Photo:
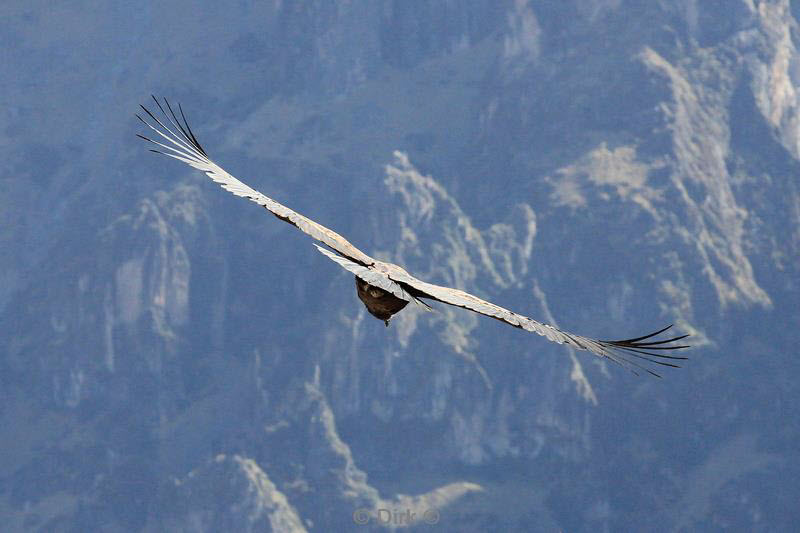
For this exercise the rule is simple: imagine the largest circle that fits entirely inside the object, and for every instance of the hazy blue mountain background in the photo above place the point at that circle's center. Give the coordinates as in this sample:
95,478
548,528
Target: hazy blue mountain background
174,359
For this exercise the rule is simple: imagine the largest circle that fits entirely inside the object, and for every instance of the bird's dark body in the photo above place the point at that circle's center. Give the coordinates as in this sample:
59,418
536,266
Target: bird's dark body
380,304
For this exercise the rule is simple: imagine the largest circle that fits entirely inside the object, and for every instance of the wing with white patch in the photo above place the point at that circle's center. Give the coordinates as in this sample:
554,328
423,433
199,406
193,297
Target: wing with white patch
371,276
181,144
620,351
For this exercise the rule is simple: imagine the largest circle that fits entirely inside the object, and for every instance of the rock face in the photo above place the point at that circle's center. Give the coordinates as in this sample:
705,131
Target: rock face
228,494
174,359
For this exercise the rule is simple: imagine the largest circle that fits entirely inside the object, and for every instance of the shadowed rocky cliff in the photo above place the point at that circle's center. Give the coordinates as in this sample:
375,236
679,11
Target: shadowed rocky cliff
174,358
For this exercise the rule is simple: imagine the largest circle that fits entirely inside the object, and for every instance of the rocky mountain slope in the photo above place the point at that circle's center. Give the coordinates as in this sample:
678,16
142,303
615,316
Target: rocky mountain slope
176,359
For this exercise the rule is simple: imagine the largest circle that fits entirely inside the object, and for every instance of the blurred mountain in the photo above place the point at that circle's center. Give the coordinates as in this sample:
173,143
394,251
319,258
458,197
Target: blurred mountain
174,359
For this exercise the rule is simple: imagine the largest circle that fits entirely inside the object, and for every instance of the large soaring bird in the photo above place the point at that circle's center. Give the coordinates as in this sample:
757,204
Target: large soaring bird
386,288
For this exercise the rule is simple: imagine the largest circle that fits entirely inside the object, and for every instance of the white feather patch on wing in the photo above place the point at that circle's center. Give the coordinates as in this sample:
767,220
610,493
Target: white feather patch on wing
463,299
183,146
374,278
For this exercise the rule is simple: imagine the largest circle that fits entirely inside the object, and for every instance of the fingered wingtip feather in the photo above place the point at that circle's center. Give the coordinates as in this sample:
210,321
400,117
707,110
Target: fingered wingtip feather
636,349
646,350
191,133
630,365
646,357
647,347
184,144
654,345
643,337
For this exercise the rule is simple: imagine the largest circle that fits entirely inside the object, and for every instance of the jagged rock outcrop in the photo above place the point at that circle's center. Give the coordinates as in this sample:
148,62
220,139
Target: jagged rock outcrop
605,167
228,494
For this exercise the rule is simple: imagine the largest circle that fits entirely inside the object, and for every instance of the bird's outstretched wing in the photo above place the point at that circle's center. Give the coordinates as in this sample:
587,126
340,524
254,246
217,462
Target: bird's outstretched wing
630,353
180,143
